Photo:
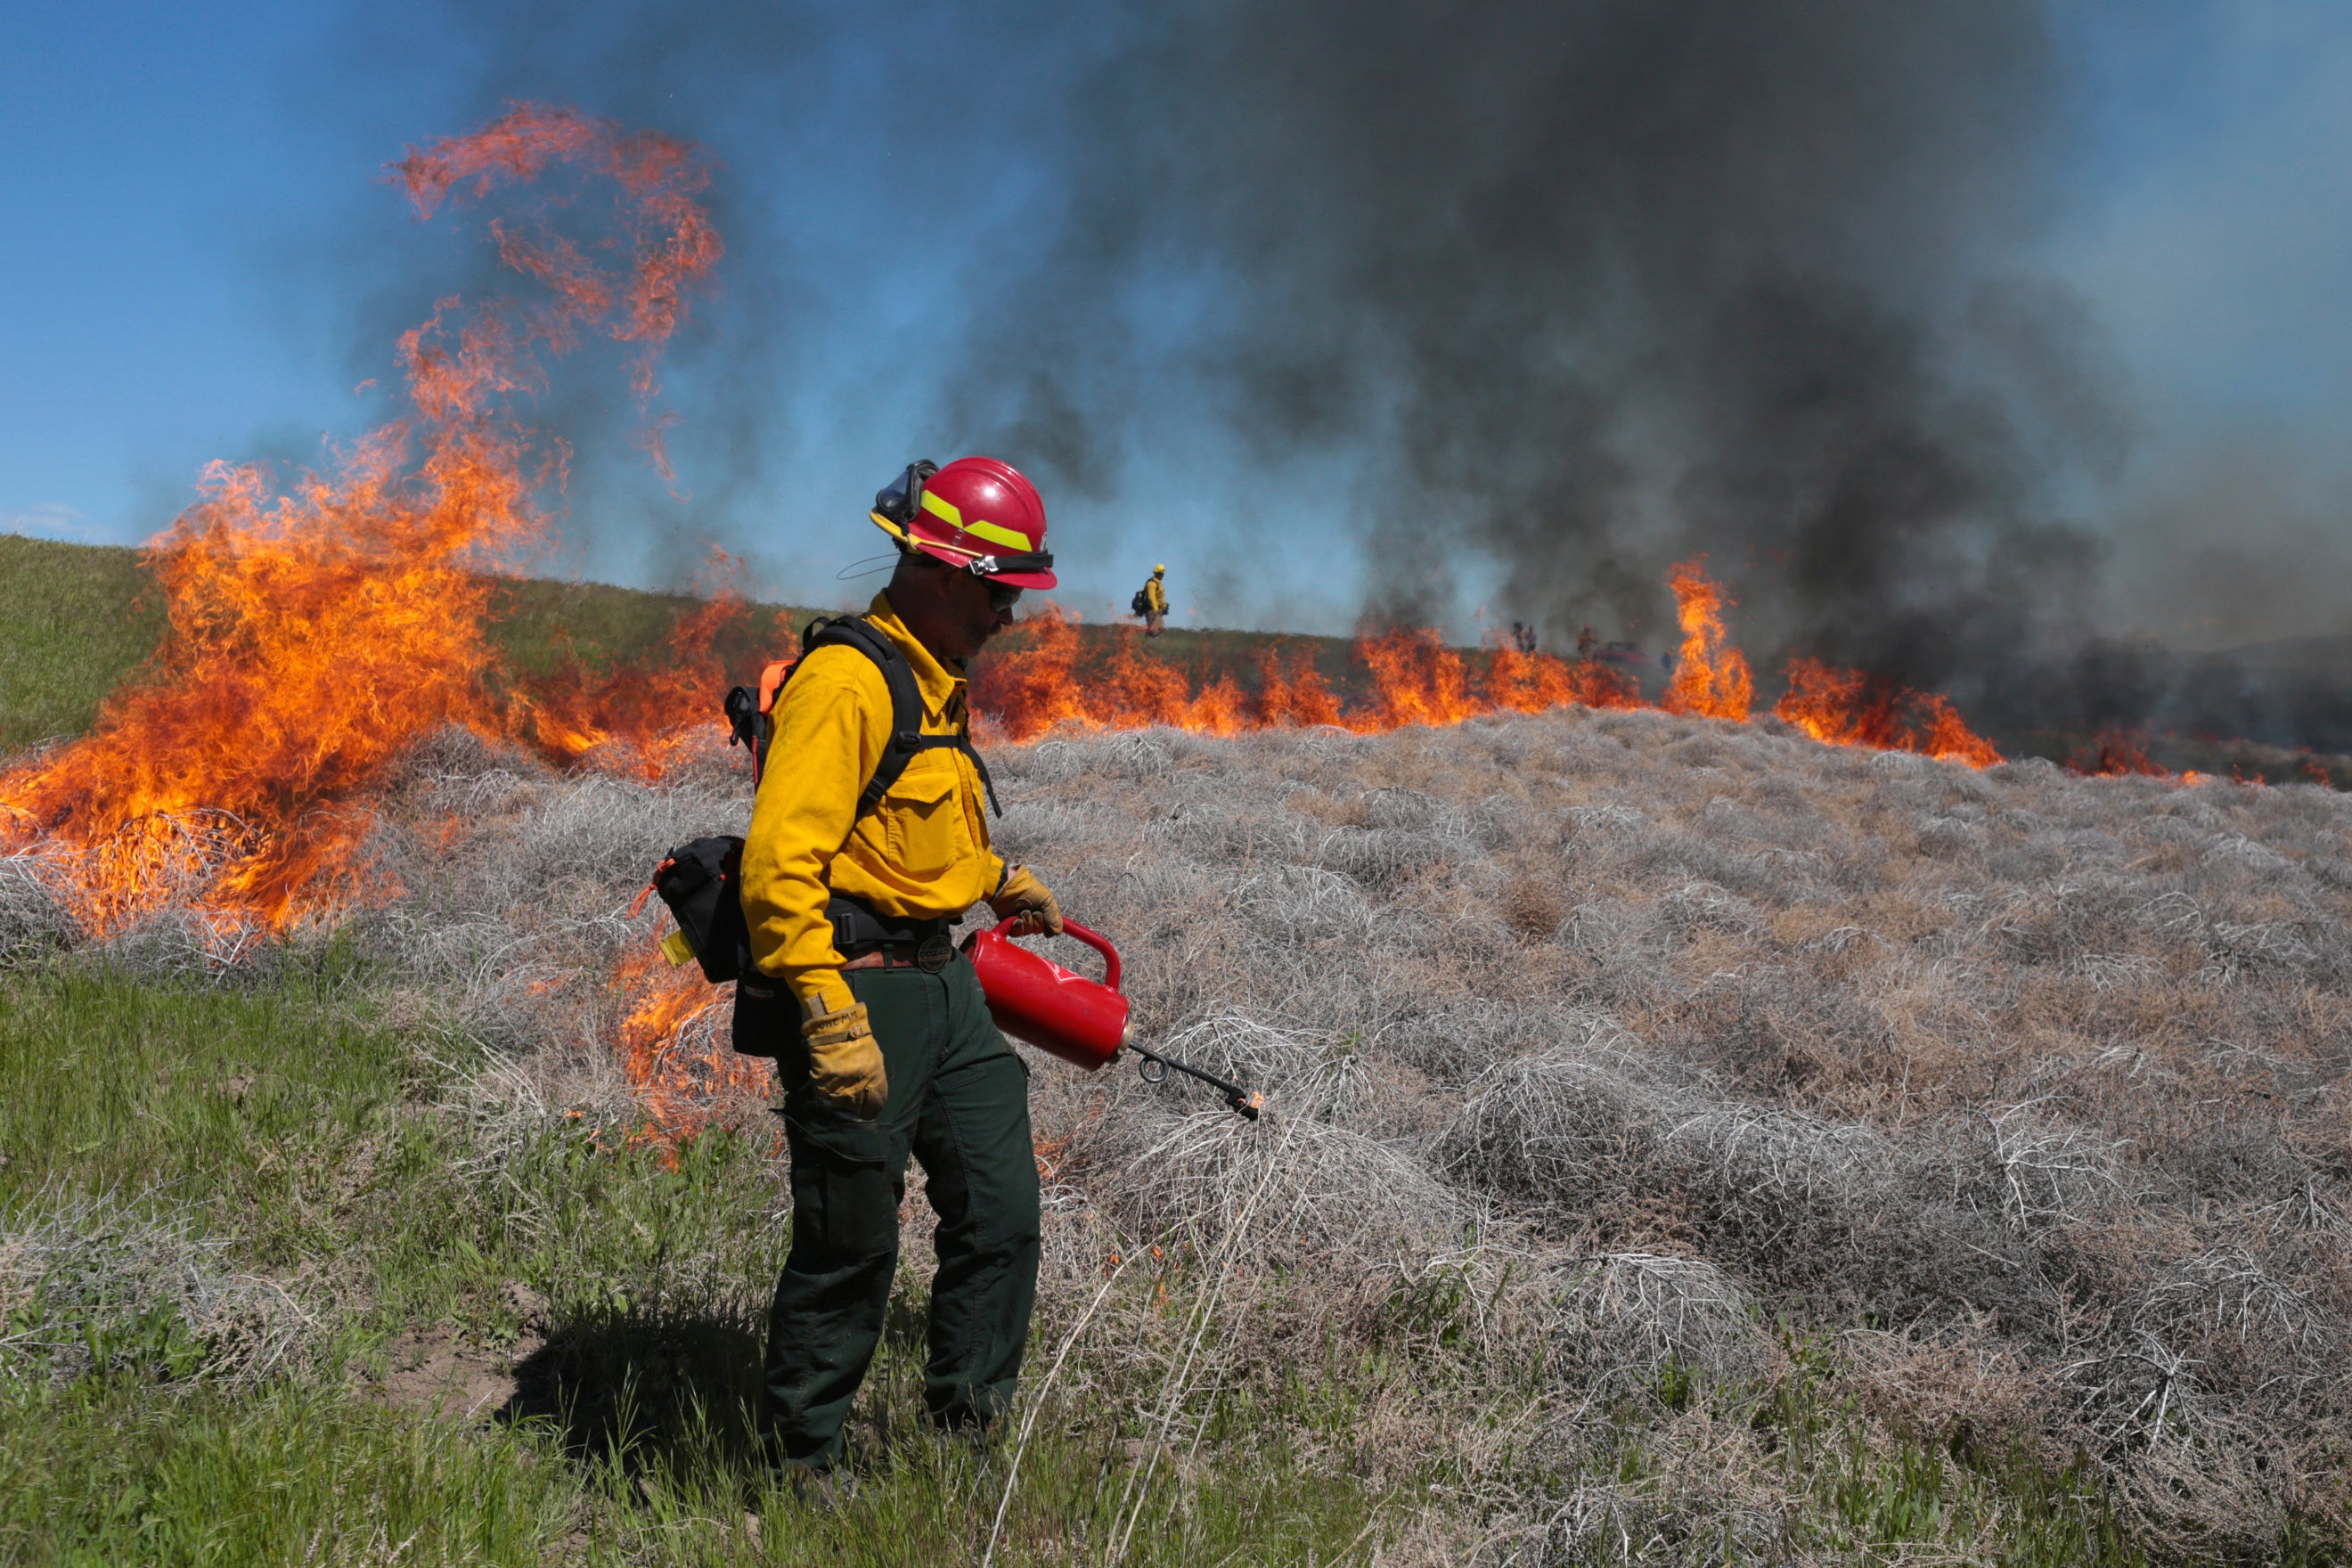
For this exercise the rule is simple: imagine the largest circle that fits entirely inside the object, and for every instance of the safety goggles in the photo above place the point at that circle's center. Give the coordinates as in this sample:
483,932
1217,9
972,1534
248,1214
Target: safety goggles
1001,598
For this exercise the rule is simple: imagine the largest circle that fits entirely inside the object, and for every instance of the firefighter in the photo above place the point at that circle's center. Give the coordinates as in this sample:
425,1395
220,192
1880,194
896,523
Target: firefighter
884,1046
1152,602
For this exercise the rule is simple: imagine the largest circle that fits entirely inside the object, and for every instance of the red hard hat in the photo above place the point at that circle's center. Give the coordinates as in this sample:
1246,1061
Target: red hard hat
978,514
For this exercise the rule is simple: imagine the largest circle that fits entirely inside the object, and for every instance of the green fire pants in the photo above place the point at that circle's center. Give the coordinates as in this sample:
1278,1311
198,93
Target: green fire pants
958,1102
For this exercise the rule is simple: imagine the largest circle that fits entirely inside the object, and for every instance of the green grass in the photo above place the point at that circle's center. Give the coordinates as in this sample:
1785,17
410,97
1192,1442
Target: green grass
74,620
316,1141
319,1143
119,1471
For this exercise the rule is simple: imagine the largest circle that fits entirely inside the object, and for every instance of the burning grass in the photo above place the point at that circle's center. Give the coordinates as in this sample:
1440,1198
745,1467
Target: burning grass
316,629
1596,1044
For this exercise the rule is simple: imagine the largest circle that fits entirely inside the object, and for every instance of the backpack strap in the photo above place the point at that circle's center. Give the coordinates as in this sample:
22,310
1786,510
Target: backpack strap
907,737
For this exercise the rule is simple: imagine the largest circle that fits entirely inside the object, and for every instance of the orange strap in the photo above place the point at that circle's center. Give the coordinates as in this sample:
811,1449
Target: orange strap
648,890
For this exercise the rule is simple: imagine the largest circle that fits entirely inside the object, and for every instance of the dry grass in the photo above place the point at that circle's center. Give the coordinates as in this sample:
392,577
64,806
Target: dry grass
90,1285
2039,1075
1628,1035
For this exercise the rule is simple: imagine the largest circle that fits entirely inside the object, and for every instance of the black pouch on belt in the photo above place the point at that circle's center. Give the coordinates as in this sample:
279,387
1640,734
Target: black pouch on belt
767,1016
701,883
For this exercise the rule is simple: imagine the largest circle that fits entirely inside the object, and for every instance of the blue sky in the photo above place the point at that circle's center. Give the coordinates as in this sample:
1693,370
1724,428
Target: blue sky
197,262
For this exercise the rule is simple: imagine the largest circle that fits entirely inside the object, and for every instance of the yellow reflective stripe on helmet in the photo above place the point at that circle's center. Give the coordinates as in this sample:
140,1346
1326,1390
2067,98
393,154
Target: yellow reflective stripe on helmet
996,535
953,515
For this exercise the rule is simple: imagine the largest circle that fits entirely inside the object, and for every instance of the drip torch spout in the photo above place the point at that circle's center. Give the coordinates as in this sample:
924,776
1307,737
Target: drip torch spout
1153,1067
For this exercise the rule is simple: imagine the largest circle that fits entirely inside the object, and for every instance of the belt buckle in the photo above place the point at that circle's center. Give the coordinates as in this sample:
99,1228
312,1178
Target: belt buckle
932,954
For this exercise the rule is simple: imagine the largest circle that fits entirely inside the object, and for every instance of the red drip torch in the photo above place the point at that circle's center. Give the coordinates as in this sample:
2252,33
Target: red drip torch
1036,1000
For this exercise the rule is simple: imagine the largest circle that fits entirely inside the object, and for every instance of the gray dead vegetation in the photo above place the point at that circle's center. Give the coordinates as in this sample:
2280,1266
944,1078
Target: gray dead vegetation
91,1284
1649,1034
2041,1075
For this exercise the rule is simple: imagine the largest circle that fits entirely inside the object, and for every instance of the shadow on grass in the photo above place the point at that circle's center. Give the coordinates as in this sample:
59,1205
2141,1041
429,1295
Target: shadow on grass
662,1388
646,1388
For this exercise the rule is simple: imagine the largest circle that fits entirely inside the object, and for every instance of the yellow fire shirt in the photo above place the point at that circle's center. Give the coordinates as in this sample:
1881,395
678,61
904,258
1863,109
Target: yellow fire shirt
923,851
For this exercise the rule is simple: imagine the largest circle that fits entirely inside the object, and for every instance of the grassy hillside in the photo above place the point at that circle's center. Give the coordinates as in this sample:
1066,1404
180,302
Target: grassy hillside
75,619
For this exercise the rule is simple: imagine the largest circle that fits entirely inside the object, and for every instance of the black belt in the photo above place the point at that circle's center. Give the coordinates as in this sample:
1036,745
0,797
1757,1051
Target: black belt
859,929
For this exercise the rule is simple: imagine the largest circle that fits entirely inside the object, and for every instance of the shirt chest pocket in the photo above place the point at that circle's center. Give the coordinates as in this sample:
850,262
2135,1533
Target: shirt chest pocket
922,820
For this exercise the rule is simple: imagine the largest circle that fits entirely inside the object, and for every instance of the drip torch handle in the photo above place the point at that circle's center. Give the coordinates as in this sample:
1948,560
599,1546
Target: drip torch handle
1100,943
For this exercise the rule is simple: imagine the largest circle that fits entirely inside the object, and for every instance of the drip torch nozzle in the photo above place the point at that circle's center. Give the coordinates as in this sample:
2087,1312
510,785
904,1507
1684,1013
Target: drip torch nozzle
1153,1067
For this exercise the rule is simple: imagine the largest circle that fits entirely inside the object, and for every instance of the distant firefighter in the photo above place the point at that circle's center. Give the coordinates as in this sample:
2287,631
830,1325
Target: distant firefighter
1523,637
1585,643
1151,602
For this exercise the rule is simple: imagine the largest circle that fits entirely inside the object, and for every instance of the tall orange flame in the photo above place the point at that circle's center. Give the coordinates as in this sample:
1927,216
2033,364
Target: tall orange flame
315,633
1710,676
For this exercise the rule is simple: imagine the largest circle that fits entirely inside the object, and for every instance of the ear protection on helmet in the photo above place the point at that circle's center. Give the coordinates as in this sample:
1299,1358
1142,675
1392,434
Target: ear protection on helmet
901,500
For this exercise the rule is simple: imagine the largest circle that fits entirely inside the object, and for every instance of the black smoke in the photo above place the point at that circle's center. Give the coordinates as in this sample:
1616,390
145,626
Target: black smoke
1570,291
1594,287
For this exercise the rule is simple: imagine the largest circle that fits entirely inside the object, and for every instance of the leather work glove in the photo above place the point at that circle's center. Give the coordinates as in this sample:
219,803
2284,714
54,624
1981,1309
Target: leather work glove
1024,901
846,1060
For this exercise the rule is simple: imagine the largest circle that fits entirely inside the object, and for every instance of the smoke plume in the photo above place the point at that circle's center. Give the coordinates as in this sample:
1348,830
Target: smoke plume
1593,286
1565,291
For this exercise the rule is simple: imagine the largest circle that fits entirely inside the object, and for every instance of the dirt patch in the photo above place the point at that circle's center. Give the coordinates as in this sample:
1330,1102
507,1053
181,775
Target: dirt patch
443,1372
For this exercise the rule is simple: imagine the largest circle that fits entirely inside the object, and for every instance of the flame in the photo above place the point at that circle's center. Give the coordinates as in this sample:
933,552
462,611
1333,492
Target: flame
674,1046
577,711
314,633
1710,676
1417,680
1530,683
2119,753
1046,676
1295,699
1850,708
1043,677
